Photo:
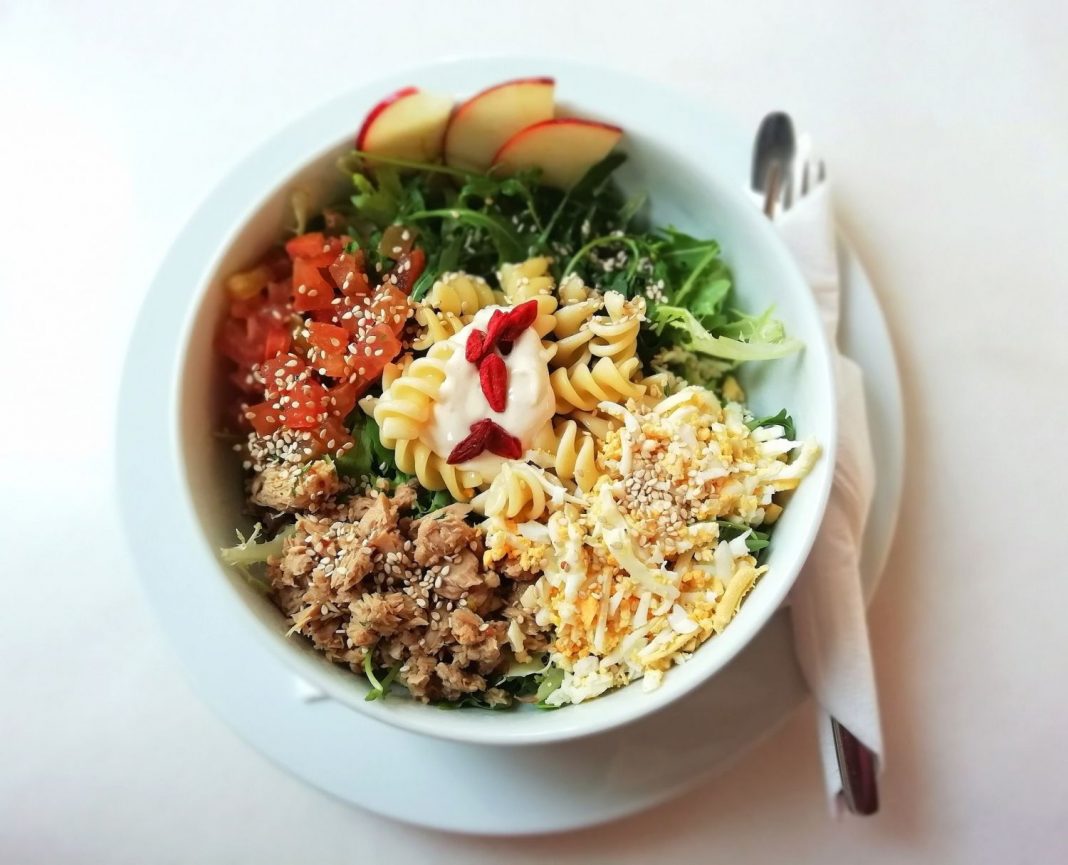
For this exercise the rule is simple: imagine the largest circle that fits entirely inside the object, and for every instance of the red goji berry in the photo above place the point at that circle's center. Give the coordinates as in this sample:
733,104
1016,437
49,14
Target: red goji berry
493,375
503,443
517,320
476,342
475,442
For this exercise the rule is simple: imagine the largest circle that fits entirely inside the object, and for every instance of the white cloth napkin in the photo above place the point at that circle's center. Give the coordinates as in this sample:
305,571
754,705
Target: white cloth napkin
829,616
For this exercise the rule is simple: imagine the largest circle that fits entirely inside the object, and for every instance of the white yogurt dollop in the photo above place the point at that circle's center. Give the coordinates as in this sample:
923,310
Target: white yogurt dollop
461,403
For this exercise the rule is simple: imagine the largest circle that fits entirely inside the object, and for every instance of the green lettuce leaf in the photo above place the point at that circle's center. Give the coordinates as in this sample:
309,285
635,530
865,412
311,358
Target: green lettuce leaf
684,329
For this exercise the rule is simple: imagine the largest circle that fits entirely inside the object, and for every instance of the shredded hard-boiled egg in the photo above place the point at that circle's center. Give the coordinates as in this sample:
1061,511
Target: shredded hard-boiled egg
634,575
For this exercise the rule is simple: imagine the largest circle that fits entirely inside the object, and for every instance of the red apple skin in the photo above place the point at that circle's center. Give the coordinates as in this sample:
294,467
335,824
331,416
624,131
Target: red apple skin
361,137
543,80
464,108
561,121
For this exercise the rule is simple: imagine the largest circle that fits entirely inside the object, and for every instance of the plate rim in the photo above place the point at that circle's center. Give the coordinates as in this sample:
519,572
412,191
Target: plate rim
123,468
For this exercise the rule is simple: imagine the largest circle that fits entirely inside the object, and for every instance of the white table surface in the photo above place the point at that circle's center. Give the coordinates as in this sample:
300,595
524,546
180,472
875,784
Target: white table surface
945,128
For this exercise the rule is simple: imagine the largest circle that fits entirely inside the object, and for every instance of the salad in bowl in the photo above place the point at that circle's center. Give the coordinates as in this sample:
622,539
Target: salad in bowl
490,414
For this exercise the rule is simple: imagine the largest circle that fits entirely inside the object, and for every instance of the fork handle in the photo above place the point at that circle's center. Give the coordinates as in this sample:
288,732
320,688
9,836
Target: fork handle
856,765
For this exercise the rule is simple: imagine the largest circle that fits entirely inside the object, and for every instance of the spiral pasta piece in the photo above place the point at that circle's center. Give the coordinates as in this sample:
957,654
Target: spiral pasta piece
657,386
572,332
414,457
570,452
517,493
572,290
436,327
596,422
405,405
582,386
461,294
529,280
450,305
615,335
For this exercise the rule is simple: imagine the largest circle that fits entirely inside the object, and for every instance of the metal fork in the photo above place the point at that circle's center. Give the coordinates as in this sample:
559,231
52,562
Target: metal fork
775,175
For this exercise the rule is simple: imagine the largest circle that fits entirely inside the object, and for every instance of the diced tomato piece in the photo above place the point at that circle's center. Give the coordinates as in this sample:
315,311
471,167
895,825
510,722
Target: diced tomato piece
237,343
342,399
311,290
306,403
332,365
277,342
349,274
280,373
328,337
245,307
331,343
390,307
306,245
407,270
379,348
265,418
332,435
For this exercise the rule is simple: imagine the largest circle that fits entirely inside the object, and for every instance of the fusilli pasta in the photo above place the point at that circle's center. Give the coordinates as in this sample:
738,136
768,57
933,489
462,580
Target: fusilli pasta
450,305
405,405
528,280
582,386
615,335
461,294
414,457
520,492
402,413
570,452
516,493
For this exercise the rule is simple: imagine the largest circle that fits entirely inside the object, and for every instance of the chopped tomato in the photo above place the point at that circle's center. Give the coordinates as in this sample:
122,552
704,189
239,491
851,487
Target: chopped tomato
306,245
306,317
235,343
252,322
334,434
280,373
332,344
277,342
342,399
311,290
407,270
265,418
307,401
390,307
379,348
349,275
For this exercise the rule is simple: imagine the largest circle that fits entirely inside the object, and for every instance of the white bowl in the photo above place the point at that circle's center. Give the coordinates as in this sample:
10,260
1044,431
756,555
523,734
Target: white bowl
686,189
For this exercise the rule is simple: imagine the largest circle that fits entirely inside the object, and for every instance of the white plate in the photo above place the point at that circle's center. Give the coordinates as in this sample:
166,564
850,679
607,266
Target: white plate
511,790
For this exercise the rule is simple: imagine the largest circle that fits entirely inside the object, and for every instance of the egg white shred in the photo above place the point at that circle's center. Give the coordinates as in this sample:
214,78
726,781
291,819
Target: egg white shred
633,574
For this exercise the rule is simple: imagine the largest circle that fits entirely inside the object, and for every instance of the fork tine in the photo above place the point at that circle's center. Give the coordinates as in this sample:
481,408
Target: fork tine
822,171
804,179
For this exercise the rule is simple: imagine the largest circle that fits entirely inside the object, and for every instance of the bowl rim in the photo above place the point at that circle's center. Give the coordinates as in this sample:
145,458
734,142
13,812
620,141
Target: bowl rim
316,669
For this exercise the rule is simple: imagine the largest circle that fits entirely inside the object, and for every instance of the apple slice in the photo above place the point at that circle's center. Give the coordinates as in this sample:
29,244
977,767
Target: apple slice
563,149
409,124
484,122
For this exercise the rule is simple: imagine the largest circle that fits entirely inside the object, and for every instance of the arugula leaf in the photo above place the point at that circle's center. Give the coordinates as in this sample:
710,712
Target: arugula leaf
509,247
782,419
446,259
584,192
